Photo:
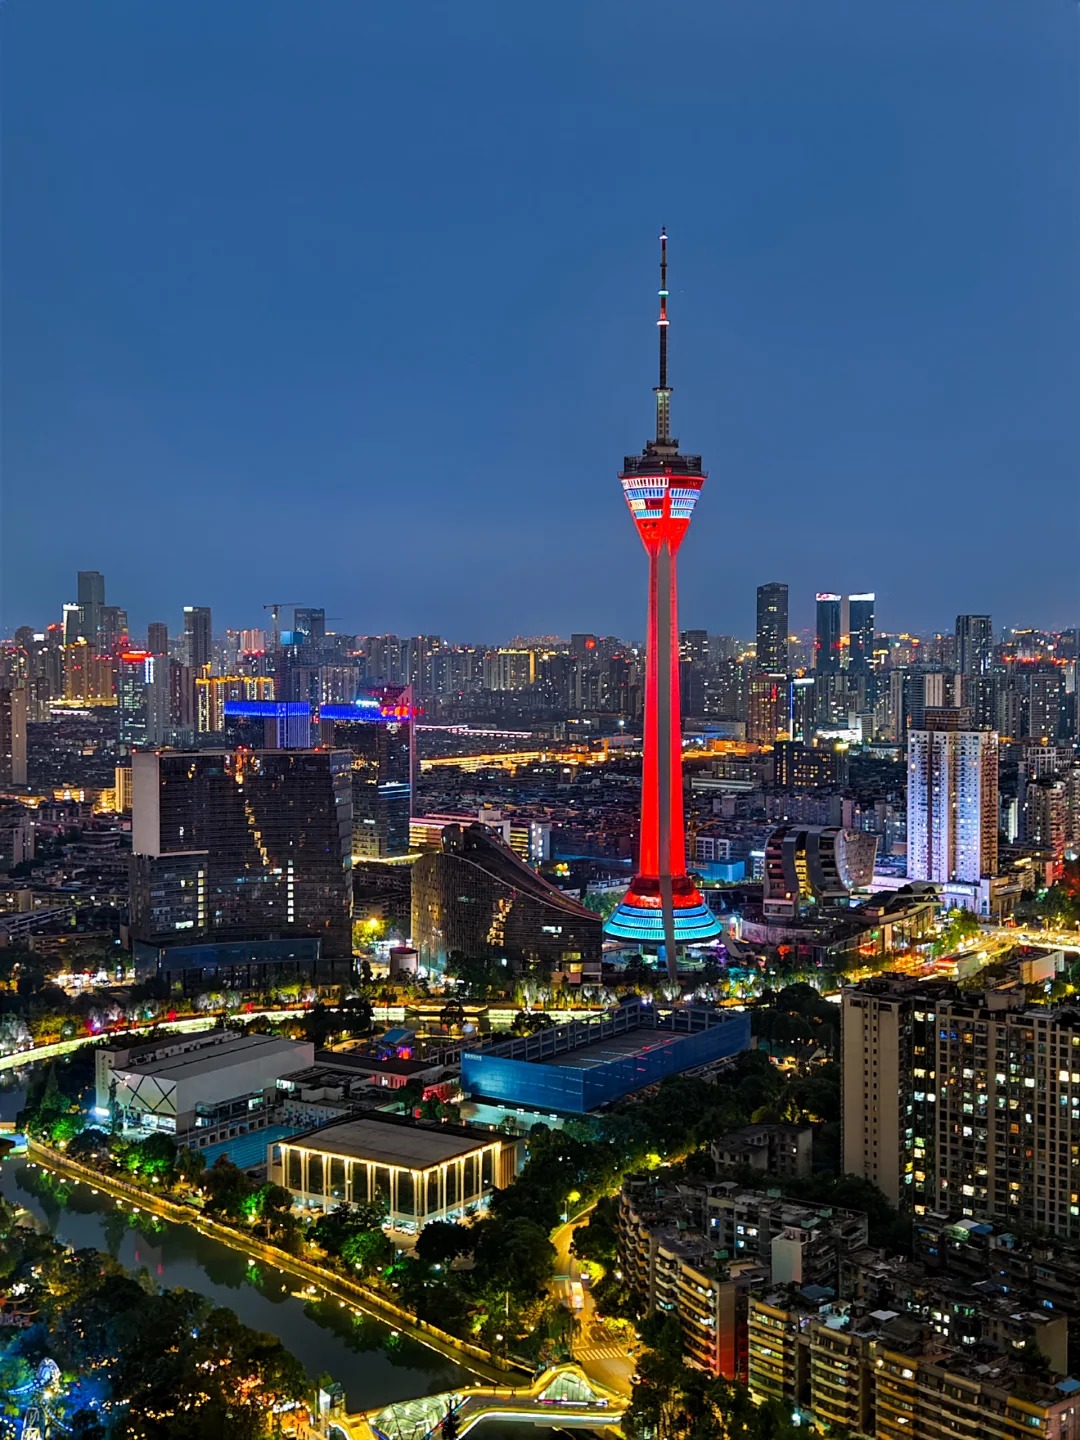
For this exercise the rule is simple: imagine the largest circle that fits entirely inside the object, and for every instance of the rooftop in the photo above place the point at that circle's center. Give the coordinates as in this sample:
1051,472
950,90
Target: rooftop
614,1047
237,1050
391,1142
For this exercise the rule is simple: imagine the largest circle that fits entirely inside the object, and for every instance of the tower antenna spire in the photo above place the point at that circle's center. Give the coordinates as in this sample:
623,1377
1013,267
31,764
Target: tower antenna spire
663,390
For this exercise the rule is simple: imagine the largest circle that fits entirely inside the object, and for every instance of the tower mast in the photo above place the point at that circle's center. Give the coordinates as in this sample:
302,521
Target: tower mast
663,390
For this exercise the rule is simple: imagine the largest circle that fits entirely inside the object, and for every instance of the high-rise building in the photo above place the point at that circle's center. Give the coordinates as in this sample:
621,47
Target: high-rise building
72,625
309,625
509,669
134,686
772,626
962,1105
974,644
377,730
157,639
421,653
91,601
113,630
1045,818
952,800
244,845
198,635
13,751
827,641
768,709
661,486
861,632
803,708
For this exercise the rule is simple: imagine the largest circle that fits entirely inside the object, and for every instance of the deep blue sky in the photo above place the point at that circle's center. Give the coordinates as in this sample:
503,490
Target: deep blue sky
353,304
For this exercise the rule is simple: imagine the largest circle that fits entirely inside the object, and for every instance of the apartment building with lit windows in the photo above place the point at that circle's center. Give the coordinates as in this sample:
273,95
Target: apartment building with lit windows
966,1105
885,1375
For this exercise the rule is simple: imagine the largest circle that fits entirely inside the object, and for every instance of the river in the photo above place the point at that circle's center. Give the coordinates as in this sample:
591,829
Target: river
373,1364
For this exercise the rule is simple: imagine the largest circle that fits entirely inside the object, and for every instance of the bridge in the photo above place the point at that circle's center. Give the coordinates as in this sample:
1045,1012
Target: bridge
563,1396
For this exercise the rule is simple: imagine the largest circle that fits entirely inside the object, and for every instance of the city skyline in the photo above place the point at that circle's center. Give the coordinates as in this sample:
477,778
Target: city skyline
218,303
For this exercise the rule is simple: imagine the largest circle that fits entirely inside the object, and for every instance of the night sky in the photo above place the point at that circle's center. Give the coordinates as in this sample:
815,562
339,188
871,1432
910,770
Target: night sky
353,304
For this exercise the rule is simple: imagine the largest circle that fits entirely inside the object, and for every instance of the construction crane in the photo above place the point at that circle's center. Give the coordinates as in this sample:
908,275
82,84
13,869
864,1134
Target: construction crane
275,607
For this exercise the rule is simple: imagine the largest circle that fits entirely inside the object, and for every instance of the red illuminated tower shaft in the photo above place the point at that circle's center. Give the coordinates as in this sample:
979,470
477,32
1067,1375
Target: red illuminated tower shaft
661,486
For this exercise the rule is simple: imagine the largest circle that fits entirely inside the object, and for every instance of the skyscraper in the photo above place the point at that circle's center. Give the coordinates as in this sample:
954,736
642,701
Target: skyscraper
974,644
861,632
772,626
157,639
309,625
827,642
197,629
377,731
13,754
91,602
134,679
245,845
661,486
952,829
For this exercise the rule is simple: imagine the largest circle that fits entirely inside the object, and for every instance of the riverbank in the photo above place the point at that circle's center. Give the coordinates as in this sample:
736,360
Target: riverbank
470,1357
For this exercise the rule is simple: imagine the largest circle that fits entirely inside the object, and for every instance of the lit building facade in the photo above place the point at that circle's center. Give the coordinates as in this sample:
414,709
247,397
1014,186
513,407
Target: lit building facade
662,906
965,1107
952,800
134,687
419,1173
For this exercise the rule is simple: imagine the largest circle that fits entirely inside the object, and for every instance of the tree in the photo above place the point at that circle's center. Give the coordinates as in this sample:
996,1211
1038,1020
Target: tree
440,1242
514,1255
226,1188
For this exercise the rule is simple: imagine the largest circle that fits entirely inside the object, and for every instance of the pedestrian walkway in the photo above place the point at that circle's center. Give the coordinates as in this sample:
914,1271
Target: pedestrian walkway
612,1351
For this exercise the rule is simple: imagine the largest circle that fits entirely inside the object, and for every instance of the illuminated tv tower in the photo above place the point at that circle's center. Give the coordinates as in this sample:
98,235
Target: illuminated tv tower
662,907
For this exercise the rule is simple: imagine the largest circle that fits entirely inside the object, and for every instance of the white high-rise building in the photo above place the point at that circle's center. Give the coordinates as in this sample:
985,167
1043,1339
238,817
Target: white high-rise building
952,800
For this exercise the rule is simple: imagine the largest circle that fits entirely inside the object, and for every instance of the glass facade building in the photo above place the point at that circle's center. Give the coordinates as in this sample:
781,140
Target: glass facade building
477,897
772,626
244,845
377,731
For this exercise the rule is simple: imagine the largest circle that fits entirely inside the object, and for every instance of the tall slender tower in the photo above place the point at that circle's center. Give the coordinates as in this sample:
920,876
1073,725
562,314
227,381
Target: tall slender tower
661,487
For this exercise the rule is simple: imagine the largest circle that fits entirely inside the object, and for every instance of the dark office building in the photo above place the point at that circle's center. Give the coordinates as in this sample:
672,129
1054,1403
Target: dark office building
244,965
242,845
803,708
477,897
827,642
772,627
805,767
861,633
974,644
197,629
157,639
377,731
91,602
309,626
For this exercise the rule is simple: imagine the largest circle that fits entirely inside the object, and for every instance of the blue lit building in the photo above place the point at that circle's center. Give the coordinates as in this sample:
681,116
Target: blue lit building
377,731
576,1068
286,723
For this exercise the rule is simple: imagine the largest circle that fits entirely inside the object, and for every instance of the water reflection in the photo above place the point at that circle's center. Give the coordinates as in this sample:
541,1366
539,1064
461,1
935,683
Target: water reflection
375,1365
